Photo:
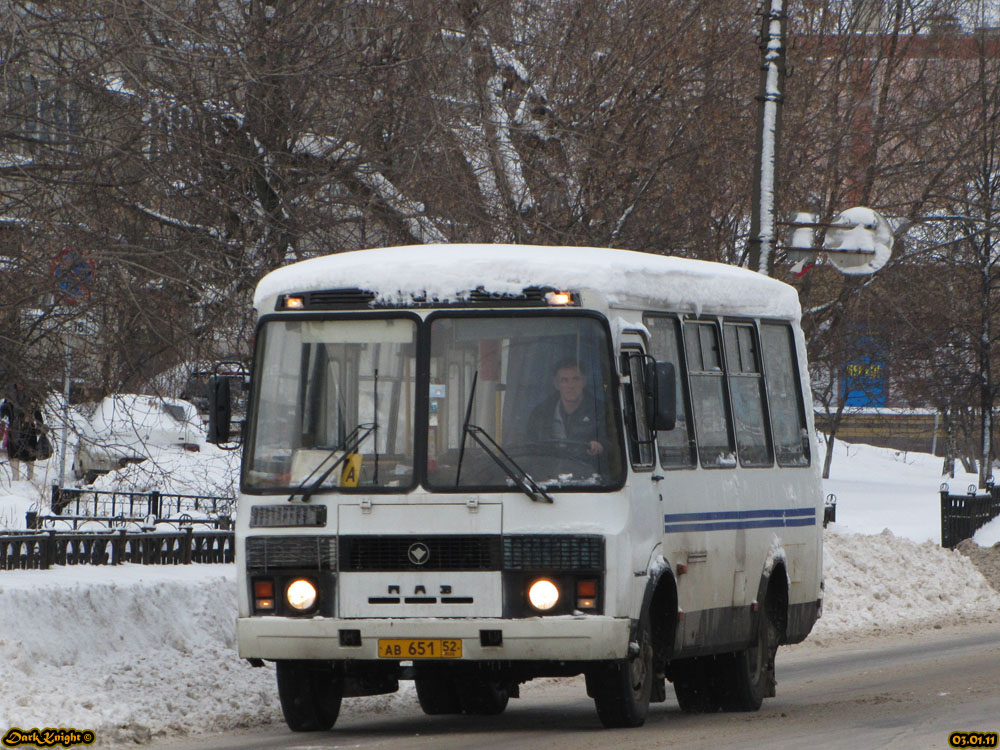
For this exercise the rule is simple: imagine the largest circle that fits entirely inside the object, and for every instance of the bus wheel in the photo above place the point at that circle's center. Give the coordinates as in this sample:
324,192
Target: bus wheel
752,675
438,695
621,692
310,696
483,696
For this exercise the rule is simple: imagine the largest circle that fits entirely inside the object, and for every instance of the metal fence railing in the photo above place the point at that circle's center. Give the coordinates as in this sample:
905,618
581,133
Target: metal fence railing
963,515
98,503
48,521
130,529
41,550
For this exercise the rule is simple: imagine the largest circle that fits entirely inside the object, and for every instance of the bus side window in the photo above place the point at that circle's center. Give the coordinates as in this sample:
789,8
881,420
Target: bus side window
677,446
784,395
708,394
640,440
746,389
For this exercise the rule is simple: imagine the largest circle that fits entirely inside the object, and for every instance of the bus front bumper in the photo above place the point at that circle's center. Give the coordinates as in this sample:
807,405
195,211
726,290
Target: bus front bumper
562,638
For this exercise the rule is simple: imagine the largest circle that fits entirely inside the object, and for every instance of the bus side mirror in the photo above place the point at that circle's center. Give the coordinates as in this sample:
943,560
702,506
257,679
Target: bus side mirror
220,409
661,395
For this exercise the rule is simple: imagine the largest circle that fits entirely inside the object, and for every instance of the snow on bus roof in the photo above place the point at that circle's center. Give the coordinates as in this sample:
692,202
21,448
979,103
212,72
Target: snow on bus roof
446,272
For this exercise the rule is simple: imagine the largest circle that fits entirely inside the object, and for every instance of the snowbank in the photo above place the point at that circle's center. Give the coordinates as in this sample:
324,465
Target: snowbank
989,534
143,651
133,653
884,582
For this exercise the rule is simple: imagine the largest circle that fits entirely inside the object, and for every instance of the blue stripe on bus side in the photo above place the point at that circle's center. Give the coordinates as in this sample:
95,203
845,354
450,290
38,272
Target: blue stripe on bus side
719,515
728,520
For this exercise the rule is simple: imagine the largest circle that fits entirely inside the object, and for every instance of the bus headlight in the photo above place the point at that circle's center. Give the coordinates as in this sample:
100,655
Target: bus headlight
301,594
543,594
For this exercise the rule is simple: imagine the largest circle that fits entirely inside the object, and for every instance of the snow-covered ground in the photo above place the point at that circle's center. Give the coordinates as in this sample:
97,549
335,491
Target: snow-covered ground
138,652
878,488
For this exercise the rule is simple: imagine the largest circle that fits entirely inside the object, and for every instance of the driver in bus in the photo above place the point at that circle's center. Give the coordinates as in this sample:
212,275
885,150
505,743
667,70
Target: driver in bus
569,414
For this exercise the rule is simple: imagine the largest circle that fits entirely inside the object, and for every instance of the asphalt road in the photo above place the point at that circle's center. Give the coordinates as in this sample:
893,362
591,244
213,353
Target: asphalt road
907,691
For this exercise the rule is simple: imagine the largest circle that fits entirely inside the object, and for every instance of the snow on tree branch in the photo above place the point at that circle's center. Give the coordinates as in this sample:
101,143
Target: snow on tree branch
413,213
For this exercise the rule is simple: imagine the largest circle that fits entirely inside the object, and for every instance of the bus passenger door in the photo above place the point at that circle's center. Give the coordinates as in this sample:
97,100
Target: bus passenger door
644,494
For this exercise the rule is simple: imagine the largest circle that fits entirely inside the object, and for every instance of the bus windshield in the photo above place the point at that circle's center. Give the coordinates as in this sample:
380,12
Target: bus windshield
509,394
537,389
319,383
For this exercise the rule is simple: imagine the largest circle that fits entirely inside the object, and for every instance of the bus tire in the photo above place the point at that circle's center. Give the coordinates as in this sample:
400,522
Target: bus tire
483,696
438,696
310,696
622,691
752,671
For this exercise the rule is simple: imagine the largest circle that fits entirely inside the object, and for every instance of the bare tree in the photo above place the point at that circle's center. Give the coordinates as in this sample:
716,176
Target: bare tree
189,148
868,111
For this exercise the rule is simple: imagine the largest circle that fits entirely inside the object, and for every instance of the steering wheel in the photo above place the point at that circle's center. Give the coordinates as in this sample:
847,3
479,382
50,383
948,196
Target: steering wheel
554,457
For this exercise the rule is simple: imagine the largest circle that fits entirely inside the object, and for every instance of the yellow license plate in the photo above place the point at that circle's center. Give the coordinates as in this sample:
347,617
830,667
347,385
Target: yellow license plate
419,648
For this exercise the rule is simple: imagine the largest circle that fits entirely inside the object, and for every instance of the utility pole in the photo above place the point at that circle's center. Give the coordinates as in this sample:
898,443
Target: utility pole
772,82
64,430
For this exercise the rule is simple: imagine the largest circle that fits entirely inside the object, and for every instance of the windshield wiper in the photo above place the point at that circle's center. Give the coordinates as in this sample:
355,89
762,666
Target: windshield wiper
521,478
465,426
349,445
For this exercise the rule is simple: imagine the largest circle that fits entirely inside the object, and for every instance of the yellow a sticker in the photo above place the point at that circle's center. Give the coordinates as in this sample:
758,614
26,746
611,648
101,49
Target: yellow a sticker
352,470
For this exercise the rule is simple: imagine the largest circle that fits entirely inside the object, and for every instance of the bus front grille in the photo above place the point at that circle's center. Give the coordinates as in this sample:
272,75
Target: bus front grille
527,552
266,553
553,552
388,553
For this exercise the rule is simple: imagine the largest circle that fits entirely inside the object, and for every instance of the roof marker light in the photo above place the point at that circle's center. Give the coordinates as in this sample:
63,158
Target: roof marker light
294,303
559,298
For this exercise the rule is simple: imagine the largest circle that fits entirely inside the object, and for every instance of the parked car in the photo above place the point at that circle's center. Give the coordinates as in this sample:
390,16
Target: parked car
125,428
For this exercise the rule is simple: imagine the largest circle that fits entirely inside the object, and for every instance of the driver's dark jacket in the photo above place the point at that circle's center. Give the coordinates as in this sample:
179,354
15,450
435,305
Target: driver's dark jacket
549,421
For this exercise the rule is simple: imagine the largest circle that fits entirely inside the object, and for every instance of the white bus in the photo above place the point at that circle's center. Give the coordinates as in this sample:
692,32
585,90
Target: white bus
474,465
